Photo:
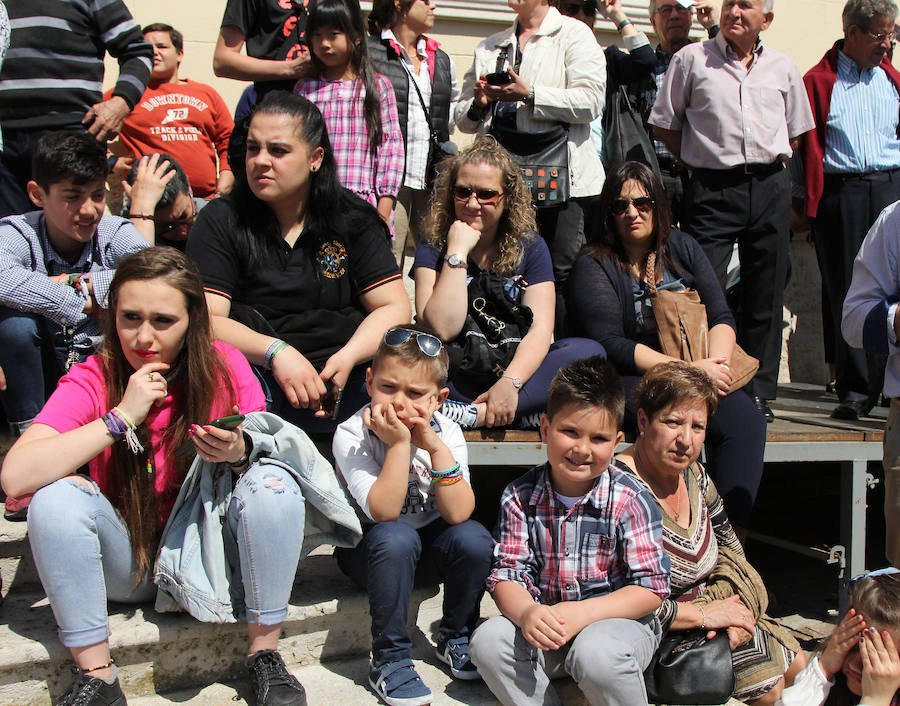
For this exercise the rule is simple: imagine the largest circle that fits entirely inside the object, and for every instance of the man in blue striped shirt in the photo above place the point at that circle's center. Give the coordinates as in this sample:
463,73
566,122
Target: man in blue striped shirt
852,163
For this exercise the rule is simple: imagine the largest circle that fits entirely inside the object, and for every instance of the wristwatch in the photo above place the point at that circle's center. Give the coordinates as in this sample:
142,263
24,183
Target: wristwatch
516,381
455,260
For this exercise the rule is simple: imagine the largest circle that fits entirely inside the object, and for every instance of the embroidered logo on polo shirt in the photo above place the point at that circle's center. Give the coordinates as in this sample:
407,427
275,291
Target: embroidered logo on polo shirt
332,257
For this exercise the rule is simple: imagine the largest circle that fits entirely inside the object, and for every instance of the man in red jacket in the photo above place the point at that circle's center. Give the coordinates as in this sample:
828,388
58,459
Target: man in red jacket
186,119
852,165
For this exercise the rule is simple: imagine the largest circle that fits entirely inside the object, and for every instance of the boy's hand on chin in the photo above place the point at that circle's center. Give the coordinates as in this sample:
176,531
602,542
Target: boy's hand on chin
384,422
423,435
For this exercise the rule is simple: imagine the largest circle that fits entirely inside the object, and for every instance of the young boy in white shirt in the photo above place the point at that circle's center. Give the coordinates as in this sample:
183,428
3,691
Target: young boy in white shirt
405,466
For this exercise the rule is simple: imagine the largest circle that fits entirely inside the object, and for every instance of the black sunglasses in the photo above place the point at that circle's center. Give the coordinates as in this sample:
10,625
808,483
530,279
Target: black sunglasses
571,9
644,204
482,196
430,345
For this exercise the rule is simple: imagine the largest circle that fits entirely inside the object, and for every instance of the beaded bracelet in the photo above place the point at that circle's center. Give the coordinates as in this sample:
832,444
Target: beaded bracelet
435,475
275,347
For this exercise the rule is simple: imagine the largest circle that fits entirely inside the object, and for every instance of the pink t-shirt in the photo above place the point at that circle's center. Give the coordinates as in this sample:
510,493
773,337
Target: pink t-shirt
80,398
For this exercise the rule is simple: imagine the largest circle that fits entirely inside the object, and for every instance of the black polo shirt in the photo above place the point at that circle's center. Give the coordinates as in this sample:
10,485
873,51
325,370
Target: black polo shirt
309,299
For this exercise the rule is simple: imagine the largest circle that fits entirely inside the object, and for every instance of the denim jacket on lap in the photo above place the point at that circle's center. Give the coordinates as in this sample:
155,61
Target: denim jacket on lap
197,569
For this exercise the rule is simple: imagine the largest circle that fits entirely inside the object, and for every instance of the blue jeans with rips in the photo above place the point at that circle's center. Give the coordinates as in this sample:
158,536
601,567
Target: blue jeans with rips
83,552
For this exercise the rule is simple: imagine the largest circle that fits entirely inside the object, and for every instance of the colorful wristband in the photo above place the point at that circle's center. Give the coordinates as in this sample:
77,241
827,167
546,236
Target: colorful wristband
443,474
275,347
448,481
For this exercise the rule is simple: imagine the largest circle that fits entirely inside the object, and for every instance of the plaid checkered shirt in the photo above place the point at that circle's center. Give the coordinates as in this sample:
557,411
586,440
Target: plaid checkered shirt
366,173
611,538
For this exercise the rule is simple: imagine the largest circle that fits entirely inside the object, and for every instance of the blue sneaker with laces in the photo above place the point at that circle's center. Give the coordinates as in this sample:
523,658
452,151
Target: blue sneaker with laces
454,652
398,684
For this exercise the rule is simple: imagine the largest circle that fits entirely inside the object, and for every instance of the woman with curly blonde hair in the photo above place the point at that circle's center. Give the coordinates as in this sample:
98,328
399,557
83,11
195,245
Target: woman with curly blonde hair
482,221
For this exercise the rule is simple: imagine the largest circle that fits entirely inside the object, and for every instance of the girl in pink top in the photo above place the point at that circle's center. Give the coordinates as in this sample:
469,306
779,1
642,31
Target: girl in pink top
357,103
158,382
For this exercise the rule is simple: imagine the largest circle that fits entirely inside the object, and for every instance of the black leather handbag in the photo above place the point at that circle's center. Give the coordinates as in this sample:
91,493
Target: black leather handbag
689,669
624,136
542,156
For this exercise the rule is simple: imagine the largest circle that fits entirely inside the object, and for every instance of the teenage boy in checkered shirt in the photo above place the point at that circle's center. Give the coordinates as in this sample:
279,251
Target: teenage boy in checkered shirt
579,566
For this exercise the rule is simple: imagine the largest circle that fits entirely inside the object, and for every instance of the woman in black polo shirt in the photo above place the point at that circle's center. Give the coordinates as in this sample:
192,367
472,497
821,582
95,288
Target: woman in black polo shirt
298,271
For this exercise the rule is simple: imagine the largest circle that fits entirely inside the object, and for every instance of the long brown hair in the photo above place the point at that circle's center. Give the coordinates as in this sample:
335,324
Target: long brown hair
606,241
517,225
194,378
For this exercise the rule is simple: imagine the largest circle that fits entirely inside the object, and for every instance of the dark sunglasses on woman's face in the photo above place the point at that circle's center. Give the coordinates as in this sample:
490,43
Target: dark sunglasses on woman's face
486,197
428,344
571,9
644,204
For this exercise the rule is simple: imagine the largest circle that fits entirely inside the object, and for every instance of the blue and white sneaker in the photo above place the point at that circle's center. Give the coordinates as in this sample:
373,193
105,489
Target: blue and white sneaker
398,684
454,652
463,413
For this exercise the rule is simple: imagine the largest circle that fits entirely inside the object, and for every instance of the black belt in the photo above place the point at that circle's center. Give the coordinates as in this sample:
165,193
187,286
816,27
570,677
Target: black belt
883,174
760,171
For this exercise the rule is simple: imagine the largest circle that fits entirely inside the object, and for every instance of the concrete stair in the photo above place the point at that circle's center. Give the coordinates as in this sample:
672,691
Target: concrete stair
328,620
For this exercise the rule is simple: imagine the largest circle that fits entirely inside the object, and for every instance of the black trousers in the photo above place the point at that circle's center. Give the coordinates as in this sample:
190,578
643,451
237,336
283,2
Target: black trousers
753,209
849,206
563,228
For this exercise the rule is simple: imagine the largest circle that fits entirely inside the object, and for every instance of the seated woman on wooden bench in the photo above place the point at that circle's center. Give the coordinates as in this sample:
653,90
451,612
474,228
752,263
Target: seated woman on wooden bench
481,239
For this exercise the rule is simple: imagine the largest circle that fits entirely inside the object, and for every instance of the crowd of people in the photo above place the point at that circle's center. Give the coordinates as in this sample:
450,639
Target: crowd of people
227,374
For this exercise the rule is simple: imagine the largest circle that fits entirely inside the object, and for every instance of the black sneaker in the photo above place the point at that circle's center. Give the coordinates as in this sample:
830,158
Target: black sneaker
90,691
272,683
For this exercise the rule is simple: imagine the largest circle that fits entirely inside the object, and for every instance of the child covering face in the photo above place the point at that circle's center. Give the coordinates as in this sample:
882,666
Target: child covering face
861,660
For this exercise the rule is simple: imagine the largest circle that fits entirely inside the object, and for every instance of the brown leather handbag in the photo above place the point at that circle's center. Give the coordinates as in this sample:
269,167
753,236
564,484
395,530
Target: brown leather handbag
684,331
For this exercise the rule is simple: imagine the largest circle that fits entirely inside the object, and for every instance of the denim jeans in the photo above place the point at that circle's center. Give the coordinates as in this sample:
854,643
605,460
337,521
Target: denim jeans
385,561
83,553
606,659
32,358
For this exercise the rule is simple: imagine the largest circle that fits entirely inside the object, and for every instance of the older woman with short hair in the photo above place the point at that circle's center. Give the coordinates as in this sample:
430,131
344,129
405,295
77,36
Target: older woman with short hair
713,585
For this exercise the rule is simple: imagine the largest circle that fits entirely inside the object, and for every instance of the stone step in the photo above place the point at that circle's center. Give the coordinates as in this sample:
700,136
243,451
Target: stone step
16,565
345,682
328,619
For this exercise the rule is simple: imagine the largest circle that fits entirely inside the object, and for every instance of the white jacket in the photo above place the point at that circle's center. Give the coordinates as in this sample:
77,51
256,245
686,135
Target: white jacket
567,69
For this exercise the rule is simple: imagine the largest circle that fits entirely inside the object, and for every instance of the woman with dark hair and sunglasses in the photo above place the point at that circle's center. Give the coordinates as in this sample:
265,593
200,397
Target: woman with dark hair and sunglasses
609,301
482,220
299,272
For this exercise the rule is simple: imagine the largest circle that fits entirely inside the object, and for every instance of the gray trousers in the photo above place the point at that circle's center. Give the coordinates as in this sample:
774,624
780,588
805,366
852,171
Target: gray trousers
606,660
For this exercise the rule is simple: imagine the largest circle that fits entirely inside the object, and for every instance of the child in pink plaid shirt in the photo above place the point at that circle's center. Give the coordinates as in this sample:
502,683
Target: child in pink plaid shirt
357,103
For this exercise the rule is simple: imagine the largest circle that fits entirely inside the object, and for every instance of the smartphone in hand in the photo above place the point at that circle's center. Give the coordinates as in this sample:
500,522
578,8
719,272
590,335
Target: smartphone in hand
229,423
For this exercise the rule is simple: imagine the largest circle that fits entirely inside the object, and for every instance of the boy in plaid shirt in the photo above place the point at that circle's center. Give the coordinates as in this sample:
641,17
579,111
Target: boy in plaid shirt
579,566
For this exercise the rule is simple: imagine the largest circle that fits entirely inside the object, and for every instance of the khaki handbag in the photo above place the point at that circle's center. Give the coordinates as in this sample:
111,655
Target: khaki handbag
684,331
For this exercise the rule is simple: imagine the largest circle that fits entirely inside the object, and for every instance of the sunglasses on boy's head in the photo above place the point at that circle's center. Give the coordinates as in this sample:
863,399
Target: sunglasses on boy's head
486,197
428,344
571,9
644,204
878,572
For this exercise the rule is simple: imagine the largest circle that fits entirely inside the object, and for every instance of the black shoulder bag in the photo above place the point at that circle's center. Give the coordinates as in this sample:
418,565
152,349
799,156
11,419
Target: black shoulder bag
495,324
624,136
543,157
